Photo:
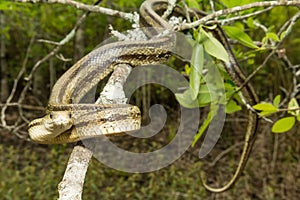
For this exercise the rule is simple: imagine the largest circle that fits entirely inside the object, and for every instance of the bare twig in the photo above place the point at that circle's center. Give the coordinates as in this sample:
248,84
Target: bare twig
172,4
48,41
19,104
292,22
82,6
234,10
27,107
212,5
16,81
29,78
237,18
282,54
223,153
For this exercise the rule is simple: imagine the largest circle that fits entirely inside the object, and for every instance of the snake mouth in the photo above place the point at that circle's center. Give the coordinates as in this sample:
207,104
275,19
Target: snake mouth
36,122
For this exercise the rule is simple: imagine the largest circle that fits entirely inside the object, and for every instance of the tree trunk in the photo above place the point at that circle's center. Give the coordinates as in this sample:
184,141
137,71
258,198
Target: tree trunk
4,91
79,43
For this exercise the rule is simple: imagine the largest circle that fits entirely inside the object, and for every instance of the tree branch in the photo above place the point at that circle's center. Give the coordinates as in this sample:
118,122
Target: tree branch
234,10
82,6
292,22
71,185
236,18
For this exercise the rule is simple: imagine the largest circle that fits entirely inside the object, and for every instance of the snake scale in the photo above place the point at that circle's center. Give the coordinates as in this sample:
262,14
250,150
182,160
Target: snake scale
67,120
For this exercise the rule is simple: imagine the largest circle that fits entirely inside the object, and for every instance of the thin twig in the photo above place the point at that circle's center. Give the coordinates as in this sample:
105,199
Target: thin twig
275,153
48,41
14,128
82,6
65,40
27,107
287,109
16,81
234,10
187,14
237,18
290,66
223,153
212,5
170,8
288,31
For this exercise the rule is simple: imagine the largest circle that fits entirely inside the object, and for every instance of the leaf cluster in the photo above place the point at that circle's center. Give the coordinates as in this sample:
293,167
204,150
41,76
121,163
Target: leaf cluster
286,123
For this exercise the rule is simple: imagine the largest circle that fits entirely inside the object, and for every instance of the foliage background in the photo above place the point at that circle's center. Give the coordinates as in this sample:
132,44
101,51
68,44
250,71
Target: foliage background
32,171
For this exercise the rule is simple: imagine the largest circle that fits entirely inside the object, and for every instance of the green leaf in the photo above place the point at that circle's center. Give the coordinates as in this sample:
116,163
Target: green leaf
293,104
240,26
282,35
187,69
265,107
232,107
185,99
212,27
197,62
210,116
283,125
6,5
193,4
276,101
212,46
266,113
238,34
272,36
231,3
230,87
204,97
250,61
298,117
250,23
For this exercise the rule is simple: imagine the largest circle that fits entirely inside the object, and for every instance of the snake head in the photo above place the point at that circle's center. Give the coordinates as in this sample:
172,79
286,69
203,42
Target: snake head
53,124
58,122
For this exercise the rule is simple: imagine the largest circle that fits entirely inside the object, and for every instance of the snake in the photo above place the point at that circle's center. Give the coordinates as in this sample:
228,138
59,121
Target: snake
68,120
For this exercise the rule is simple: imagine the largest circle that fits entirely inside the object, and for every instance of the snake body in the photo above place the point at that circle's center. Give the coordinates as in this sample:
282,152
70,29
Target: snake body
150,9
63,110
64,113
236,74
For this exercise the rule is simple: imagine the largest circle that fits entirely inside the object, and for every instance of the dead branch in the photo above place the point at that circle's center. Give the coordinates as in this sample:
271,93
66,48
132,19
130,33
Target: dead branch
82,6
236,9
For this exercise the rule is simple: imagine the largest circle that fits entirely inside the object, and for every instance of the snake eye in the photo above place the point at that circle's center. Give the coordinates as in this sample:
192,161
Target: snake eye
70,115
51,115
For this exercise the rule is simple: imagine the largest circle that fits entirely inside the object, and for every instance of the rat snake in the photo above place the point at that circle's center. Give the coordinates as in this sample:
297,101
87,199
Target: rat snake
64,112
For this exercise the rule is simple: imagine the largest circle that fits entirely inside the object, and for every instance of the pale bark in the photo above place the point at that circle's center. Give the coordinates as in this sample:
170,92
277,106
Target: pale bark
71,186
